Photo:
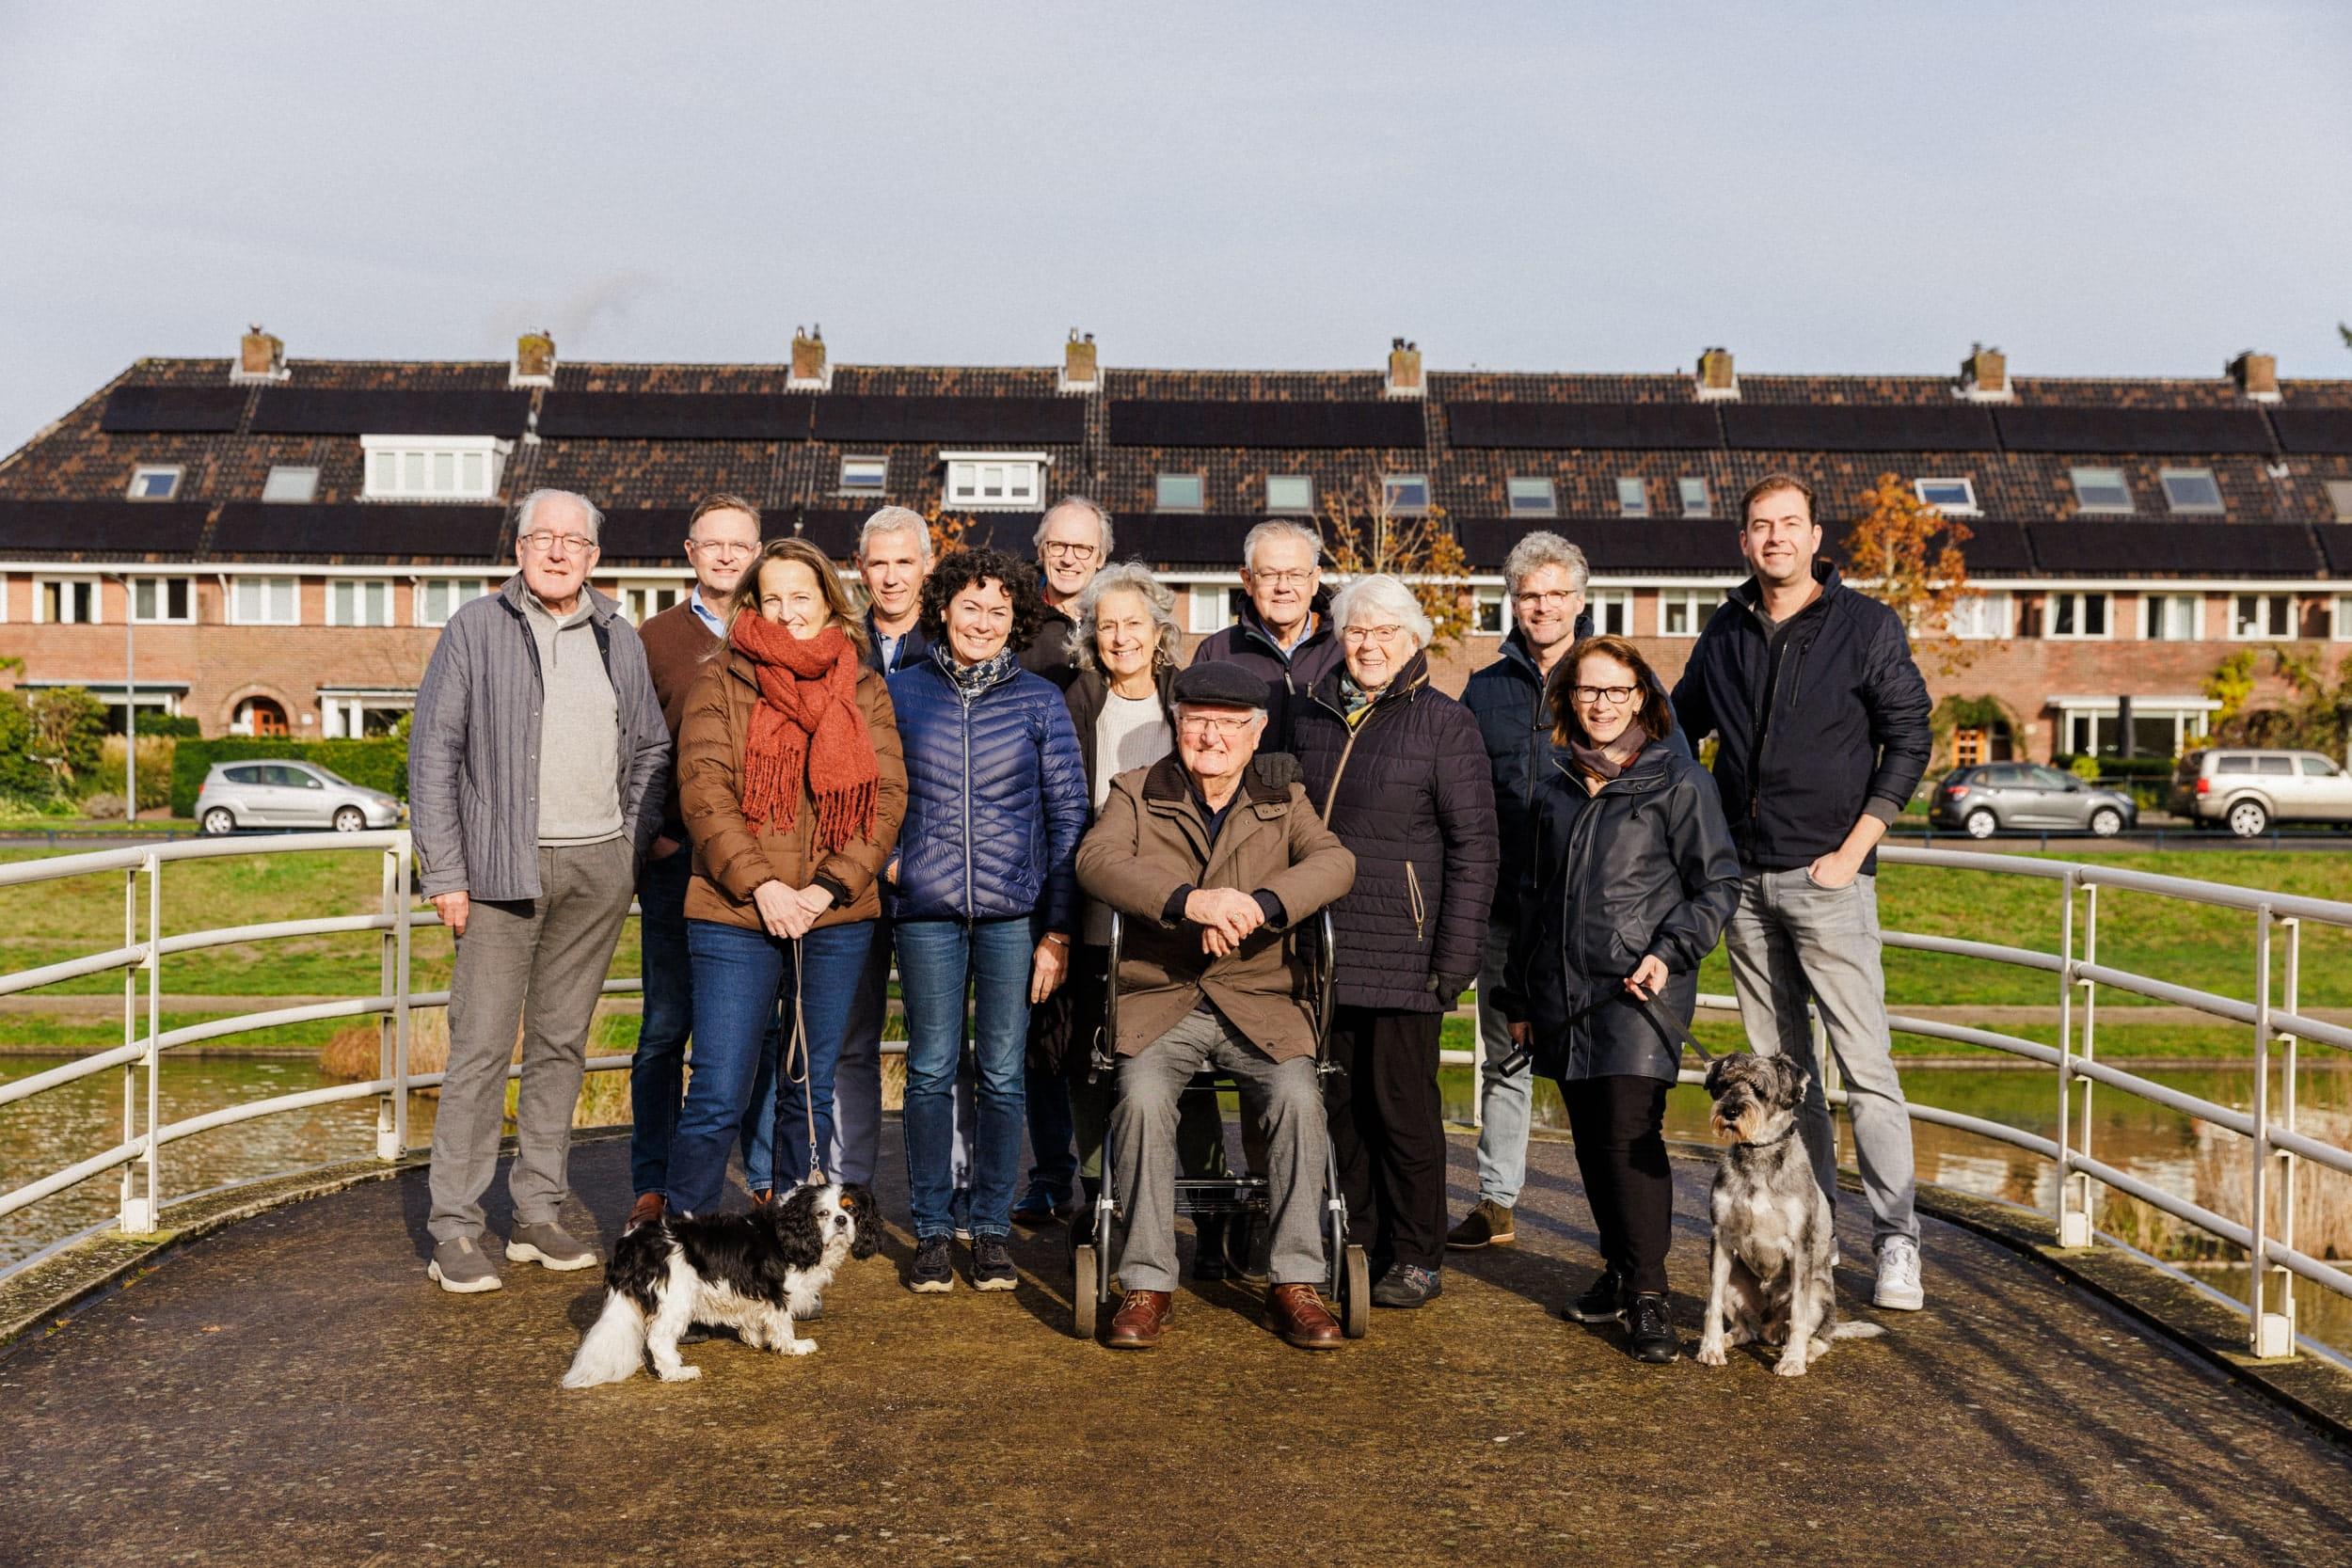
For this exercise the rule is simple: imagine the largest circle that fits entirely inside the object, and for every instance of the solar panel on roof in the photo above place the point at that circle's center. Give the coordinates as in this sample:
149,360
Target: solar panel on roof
1602,426
1613,543
109,528
1997,547
343,411
1265,422
2118,430
1848,427
647,533
676,416
2335,548
2313,430
356,528
2138,549
979,421
1208,539
199,409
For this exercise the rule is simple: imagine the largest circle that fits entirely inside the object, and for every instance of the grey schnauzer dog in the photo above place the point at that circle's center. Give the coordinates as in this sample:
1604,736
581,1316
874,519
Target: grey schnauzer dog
1773,1239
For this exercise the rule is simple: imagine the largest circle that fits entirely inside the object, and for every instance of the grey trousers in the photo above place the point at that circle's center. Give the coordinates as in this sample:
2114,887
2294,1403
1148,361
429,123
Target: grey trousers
1281,1096
1789,940
537,963
1505,1100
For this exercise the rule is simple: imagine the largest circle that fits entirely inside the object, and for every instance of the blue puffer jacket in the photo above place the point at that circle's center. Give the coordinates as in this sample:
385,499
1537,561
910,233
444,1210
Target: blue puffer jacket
997,796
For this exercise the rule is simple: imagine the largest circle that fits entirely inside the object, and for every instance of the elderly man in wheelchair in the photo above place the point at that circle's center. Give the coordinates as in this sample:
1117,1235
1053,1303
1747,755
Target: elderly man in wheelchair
1215,860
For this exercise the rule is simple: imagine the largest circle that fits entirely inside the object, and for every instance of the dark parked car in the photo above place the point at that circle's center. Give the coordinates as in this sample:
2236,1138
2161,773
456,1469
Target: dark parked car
2004,796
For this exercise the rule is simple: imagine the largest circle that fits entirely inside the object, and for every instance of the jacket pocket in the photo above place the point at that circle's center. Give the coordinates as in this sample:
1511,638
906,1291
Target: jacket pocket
1414,901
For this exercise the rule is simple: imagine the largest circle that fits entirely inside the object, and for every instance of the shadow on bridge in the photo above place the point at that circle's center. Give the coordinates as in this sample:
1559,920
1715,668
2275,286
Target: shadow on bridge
293,1390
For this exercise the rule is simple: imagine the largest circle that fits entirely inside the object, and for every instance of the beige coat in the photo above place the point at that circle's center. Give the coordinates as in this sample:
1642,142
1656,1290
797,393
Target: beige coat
1152,840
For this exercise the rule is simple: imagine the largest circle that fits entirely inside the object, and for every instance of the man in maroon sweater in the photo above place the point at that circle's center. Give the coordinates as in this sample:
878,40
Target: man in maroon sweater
722,542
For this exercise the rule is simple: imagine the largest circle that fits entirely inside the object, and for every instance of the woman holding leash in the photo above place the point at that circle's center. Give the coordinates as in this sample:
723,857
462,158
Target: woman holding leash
1632,879
792,787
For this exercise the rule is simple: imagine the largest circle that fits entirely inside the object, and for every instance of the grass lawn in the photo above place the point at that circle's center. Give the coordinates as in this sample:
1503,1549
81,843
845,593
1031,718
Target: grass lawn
2115,1040
83,827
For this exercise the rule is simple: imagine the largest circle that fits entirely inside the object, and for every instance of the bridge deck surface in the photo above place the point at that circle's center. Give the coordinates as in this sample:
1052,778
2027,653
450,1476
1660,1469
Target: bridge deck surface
293,1392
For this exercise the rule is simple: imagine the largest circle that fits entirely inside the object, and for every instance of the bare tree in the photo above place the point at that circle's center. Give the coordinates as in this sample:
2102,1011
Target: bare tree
1365,534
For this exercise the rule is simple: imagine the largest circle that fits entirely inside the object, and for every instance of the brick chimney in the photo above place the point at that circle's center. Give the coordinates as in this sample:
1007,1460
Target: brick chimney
2257,375
1717,381
1403,369
1079,371
1984,375
534,360
809,371
260,356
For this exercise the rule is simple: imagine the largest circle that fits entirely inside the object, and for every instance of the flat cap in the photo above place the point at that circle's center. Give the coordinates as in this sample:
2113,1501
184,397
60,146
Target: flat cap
1217,683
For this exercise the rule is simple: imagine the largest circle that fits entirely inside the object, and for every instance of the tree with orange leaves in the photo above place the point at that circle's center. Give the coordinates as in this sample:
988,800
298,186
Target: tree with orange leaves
948,530
1363,533
1906,554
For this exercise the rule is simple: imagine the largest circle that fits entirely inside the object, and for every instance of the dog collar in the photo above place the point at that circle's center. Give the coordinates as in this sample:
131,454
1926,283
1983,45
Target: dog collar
1768,1142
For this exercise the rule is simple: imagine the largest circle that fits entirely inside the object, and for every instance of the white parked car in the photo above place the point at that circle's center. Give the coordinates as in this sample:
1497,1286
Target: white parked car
2248,790
290,795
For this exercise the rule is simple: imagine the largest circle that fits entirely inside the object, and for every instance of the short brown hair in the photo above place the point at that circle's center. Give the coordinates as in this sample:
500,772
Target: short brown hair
719,500
1772,483
1654,713
745,600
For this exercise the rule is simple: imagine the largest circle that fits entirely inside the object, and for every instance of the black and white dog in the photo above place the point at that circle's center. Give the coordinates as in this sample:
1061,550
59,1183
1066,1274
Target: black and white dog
754,1273
1772,1238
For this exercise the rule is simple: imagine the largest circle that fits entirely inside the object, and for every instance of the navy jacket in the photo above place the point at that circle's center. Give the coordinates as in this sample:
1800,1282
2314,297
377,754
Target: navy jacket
996,797
1508,700
1809,734
913,648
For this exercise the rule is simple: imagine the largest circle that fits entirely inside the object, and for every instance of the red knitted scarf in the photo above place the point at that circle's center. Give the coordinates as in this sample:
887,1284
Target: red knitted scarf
806,726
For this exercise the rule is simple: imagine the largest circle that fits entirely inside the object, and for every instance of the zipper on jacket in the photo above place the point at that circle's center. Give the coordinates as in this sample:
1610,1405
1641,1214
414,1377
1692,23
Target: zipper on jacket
970,903
1413,898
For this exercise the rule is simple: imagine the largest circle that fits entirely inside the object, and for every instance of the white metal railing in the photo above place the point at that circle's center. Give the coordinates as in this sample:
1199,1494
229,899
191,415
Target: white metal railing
2277,1146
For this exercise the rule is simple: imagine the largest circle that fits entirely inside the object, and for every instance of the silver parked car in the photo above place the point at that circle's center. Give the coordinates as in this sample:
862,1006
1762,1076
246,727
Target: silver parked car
2248,790
1997,796
290,795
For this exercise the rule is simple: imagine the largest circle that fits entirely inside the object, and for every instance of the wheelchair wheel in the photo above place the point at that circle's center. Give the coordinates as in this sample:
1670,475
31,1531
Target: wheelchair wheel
1356,1294
1085,1291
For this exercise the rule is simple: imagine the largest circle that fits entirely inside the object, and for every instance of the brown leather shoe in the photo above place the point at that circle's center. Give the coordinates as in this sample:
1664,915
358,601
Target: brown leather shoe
1141,1319
647,1210
761,1198
1297,1314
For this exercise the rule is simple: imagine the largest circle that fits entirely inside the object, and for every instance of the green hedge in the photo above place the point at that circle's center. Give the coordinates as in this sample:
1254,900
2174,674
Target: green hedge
375,764
2113,766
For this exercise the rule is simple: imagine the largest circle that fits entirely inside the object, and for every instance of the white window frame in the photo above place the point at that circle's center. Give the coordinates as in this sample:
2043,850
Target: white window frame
158,585
1546,505
422,588
2165,478
2080,599
965,476
1390,483
1200,482
1490,599
1990,617
2196,602
1706,495
878,461
1305,508
2340,618
41,585
142,470
2339,500
406,468
1210,606
2123,483
2239,633
1606,602
1967,506
310,490
1638,488
638,596
237,616
1693,602
360,589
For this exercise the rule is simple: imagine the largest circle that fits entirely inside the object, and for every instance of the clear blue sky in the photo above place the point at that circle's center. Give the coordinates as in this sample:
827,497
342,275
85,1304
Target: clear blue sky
2132,189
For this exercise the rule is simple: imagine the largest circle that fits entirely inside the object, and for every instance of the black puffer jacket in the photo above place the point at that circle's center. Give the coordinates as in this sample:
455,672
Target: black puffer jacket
1645,866
1406,789
1248,643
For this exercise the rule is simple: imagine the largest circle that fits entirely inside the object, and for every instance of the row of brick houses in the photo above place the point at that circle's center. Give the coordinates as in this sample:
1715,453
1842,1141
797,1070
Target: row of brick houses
285,535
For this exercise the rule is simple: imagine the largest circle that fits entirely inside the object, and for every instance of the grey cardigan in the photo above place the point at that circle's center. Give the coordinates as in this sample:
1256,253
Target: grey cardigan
473,776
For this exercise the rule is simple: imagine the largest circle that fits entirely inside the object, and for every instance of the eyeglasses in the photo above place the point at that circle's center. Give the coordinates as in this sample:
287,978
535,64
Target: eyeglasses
1206,724
1283,580
1615,696
544,541
1543,601
1080,553
725,550
1355,637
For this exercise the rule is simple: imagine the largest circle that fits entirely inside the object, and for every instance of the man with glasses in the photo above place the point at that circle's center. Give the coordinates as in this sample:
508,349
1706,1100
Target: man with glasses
1073,542
537,766
1821,727
722,542
1285,635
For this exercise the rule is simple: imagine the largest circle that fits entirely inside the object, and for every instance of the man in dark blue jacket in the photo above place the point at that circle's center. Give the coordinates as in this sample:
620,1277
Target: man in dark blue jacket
1285,635
1820,720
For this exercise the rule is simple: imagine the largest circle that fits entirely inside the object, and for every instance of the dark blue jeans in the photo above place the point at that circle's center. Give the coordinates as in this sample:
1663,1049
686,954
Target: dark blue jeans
739,974
936,961
1053,1139
657,1078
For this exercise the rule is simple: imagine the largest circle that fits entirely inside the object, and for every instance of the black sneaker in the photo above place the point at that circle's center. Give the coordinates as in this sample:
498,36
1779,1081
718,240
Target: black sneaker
1406,1284
933,1272
1603,1303
1651,1337
991,1264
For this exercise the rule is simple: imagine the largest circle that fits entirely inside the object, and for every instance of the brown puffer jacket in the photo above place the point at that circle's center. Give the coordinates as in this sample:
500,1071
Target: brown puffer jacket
1151,841
731,858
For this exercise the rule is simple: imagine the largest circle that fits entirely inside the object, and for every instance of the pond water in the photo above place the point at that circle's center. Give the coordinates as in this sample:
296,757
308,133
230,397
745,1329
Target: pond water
2194,1160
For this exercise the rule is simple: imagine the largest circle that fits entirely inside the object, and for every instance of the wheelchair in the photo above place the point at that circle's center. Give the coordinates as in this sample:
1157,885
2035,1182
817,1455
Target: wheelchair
1246,1201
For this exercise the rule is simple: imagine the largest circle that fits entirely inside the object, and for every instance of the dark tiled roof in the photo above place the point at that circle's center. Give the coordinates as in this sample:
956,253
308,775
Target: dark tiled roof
343,411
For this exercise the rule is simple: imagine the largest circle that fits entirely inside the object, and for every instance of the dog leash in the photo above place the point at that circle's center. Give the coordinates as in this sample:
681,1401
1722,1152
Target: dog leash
796,1049
1664,1022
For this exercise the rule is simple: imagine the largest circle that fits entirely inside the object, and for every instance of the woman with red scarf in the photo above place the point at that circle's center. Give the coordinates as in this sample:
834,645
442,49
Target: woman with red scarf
793,786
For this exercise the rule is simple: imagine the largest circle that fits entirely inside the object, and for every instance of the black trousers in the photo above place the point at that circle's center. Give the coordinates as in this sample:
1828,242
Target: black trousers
1387,1134
1619,1127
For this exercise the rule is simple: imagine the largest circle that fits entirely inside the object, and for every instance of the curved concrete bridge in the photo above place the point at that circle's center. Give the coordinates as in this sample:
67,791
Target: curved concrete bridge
293,1392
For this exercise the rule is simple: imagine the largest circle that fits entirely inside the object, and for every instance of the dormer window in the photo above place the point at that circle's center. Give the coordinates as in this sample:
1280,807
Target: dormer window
434,468
995,480
154,482
1954,497
864,476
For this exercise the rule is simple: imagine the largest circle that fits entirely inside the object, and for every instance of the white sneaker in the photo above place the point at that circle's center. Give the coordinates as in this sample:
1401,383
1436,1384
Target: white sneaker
1899,1276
